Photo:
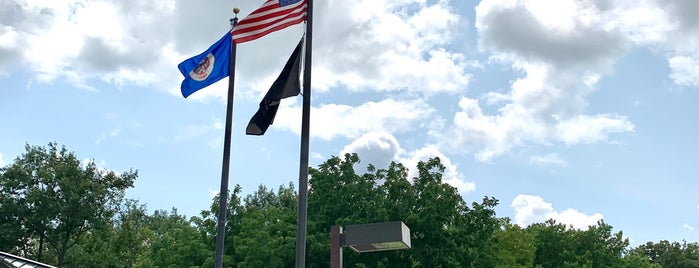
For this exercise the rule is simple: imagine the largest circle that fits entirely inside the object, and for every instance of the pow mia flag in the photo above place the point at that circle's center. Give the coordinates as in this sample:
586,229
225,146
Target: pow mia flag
286,85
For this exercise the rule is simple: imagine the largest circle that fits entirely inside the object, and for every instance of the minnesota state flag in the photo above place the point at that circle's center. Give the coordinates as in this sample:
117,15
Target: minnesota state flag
208,67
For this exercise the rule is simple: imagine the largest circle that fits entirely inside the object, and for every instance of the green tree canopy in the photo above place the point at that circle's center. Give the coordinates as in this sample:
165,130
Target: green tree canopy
669,254
59,211
445,231
50,200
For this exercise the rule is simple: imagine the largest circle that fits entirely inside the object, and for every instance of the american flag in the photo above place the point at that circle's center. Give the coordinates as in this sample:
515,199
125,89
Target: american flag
273,15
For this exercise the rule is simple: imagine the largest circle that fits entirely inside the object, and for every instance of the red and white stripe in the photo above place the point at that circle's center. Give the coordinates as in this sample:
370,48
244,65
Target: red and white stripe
268,18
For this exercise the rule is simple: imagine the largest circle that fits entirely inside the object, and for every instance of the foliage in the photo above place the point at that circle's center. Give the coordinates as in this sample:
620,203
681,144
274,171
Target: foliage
514,246
560,246
448,232
52,200
62,212
669,254
174,242
268,229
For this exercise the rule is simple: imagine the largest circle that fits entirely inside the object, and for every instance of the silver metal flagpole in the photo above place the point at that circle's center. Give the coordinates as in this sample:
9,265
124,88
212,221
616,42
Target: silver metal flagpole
223,192
305,124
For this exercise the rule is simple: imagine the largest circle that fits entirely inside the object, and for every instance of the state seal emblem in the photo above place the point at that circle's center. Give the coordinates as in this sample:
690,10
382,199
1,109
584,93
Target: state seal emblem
203,69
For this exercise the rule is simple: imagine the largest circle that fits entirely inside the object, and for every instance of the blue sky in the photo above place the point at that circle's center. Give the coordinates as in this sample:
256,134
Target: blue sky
573,110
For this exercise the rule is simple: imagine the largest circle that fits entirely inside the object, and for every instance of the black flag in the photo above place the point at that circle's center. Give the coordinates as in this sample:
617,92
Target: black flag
286,85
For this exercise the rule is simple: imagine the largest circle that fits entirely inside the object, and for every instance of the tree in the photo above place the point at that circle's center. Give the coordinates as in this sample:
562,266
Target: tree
175,242
337,196
449,232
553,244
54,200
54,208
637,261
131,234
668,254
599,246
267,237
121,242
558,245
207,225
514,246
15,230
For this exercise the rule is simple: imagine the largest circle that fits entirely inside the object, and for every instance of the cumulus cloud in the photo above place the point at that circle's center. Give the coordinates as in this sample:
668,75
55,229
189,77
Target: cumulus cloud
591,129
562,49
562,52
671,27
684,70
380,148
388,46
688,227
339,120
568,34
377,148
490,135
363,45
531,209
451,176
84,40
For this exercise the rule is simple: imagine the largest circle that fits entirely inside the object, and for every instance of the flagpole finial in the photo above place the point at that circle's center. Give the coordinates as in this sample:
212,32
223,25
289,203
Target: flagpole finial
234,20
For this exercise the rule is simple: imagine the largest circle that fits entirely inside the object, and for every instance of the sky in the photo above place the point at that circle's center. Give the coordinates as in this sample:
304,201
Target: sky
576,110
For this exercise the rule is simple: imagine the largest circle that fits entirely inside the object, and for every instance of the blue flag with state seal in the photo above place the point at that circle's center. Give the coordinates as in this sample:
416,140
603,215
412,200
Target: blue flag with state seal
208,67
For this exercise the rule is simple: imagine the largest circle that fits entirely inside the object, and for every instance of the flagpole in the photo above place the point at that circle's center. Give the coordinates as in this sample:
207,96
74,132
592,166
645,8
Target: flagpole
223,192
305,124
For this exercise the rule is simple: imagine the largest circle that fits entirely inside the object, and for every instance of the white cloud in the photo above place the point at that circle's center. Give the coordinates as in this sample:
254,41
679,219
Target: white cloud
377,148
101,165
688,227
380,148
338,120
519,125
213,193
377,45
388,46
451,176
684,70
642,22
562,56
85,40
671,27
571,35
461,185
552,159
2,161
591,129
531,209
576,218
